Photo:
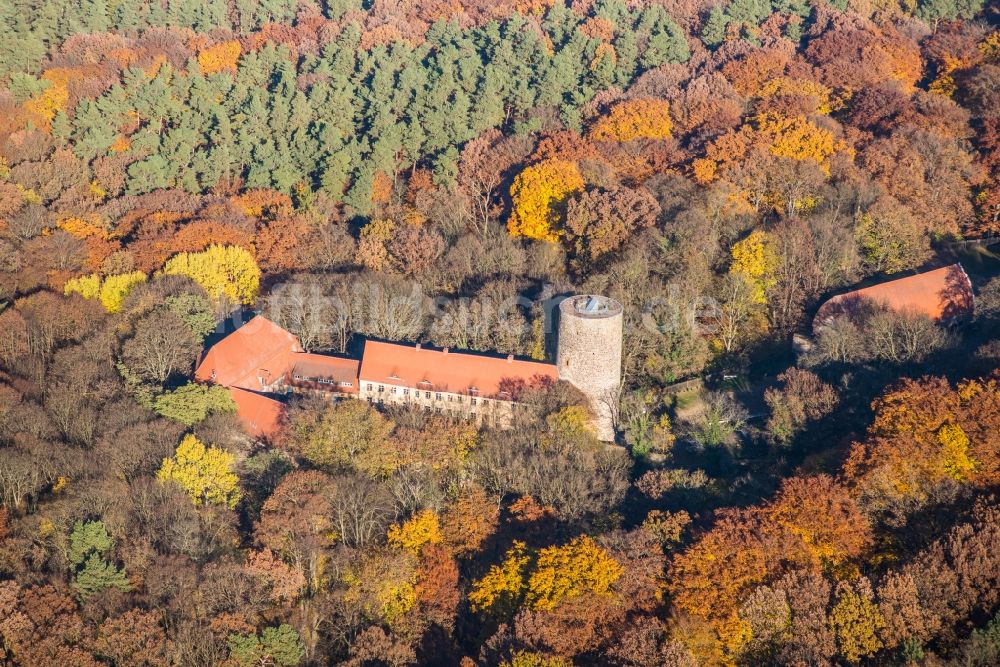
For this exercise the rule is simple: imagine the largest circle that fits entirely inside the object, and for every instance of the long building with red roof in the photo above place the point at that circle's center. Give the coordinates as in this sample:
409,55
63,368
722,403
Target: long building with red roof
942,294
445,381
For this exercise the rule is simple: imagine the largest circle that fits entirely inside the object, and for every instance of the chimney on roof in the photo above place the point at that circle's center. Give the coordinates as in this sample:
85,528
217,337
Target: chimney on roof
510,358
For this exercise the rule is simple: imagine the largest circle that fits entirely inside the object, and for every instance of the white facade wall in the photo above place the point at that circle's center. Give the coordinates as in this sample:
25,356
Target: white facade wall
490,410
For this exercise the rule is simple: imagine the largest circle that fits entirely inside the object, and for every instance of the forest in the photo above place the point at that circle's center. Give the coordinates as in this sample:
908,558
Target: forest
405,171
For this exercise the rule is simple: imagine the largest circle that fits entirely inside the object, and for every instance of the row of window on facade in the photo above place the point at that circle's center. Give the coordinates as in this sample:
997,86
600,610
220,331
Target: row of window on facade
322,381
438,396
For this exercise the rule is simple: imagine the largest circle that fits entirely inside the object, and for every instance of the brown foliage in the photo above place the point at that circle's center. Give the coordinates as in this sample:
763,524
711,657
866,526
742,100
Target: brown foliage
601,221
484,167
135,637
802,398
708,106
295,522
41,626
375,645
950,579
414,250
437,585
861,54
469,521
576,626
930,174
566,145
812,523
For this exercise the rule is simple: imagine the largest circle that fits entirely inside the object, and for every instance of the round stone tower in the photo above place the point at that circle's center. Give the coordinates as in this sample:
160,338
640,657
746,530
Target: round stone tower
589,354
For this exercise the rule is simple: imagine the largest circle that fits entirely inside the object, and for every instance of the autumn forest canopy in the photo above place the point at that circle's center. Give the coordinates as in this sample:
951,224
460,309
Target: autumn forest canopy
780,491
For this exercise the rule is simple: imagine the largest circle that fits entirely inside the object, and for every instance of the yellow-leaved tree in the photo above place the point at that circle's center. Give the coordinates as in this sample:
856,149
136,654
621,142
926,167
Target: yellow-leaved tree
89,287
927,432
532,659
798,138
383,584
856,621
420,529
572,425
499,591
115,288
111,291
784,86
565,572
792,137
756,261
224,271
538,193
634,119
955,452
555,574
206,473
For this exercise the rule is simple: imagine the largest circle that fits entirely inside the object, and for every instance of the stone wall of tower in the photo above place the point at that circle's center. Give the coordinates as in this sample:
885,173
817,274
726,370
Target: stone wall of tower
589,354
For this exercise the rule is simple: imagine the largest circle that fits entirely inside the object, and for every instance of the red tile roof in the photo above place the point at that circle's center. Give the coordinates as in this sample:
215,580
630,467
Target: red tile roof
260,348
940,294
261,416
444,370
312,368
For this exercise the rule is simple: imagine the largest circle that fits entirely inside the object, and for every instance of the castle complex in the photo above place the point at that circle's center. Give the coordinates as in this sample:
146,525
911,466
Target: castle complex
260,362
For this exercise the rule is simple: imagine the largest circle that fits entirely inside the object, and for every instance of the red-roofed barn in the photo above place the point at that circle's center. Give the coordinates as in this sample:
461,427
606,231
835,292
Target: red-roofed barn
942,294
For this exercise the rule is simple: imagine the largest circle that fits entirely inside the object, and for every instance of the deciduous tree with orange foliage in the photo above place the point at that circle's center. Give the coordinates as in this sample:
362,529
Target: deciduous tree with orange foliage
634,119
221,57
813,523
924,433
469,521
796,138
